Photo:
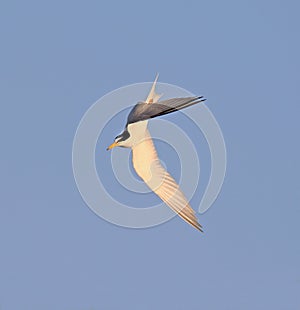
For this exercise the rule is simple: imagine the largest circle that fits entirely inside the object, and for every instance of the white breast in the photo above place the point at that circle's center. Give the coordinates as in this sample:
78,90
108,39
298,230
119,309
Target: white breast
137,132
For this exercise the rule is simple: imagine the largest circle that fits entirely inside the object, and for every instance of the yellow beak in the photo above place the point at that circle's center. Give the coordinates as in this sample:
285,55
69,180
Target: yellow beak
112,146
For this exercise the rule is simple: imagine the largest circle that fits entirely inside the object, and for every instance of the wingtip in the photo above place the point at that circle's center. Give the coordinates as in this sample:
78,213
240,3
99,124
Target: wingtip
199,227
201,98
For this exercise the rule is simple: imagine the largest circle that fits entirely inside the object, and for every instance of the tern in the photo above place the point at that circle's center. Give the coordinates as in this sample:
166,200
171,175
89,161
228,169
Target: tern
144,155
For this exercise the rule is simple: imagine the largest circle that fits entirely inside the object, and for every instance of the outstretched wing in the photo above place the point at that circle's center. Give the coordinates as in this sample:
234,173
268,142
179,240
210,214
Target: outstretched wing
143,110
148,167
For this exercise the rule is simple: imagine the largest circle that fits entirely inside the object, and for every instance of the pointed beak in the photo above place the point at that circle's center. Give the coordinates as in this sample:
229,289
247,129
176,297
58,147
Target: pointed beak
112,146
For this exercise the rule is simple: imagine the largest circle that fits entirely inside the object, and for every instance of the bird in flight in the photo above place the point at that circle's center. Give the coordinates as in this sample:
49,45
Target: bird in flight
144,156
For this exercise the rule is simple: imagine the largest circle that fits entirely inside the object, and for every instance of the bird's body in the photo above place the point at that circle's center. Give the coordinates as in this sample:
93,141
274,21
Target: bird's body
144,156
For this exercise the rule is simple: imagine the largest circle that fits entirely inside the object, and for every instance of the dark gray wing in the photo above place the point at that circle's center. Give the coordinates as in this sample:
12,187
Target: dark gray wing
143,111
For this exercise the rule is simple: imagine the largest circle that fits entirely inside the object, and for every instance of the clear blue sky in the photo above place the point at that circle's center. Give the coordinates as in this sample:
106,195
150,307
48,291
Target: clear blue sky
59,57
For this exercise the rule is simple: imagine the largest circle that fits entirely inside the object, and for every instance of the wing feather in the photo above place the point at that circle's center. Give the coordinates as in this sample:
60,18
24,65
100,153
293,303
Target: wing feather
149,168
144,111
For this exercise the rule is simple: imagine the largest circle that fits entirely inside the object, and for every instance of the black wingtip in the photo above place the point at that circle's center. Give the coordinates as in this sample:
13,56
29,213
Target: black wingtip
200,228
201,98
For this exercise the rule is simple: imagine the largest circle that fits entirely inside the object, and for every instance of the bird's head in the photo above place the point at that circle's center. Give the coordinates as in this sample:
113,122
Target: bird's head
121,140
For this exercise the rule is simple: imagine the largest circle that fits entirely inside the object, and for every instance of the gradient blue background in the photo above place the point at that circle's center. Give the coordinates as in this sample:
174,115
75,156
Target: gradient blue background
59,57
